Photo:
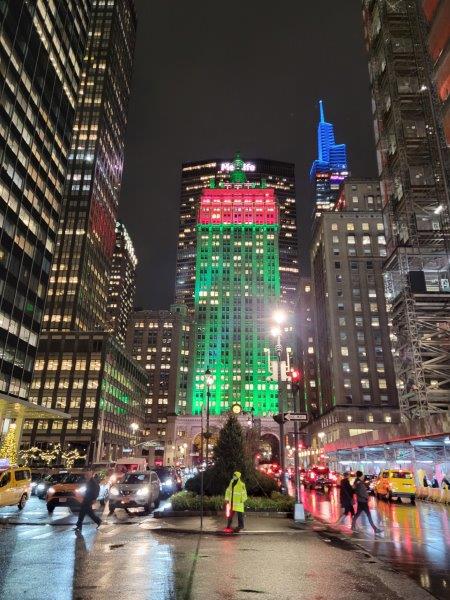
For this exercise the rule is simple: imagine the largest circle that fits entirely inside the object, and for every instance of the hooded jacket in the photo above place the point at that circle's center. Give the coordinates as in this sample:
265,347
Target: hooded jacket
236,493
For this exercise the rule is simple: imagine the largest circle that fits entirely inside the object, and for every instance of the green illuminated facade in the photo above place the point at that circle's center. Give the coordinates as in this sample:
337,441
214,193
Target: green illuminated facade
237,288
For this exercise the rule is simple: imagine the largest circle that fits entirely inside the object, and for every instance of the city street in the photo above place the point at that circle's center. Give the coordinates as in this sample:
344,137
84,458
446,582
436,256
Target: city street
415,540
129,557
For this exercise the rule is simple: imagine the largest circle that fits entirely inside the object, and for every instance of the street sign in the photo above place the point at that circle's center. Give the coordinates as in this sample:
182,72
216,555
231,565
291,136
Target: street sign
296,417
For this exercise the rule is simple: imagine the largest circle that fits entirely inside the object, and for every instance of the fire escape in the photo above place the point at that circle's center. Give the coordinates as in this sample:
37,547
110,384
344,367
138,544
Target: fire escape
413,166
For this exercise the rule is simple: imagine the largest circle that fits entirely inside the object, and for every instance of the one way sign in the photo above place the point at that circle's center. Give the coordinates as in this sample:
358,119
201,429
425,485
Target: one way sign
296,417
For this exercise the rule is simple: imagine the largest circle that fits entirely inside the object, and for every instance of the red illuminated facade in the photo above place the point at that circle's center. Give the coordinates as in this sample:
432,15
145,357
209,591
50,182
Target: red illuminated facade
228,206
437,14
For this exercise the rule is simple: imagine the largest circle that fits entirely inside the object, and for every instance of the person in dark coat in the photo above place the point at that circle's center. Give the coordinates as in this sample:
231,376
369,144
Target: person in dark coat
90,496
362,497
346,497
434,483
425,481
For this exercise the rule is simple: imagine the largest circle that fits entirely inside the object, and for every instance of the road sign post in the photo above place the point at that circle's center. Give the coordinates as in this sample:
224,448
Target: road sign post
299,510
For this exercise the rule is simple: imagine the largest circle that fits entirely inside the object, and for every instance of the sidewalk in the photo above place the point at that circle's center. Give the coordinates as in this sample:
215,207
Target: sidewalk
216,525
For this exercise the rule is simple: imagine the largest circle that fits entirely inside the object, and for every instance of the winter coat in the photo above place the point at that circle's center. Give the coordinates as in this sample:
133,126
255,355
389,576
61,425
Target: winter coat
362,495
236,493
346,493
92,491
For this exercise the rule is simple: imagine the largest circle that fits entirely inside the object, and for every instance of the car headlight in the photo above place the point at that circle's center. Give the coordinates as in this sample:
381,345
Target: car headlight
168,482
51,490
143,492
33,484
114,491
81,490
40,486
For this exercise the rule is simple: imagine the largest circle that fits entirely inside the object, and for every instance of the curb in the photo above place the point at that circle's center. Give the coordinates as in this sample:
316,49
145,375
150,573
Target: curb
220,533
164,514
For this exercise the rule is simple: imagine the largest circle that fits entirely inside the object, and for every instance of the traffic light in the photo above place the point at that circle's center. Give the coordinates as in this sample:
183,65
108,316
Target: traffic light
295,376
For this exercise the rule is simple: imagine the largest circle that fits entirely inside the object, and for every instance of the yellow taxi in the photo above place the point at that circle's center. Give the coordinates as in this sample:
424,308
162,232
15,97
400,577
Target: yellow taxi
15,485
395,483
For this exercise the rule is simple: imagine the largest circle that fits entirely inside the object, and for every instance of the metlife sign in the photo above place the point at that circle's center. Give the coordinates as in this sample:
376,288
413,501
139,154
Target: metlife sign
228,166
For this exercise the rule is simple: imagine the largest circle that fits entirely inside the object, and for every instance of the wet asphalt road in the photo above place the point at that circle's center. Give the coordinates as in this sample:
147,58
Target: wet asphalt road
128,559
415,540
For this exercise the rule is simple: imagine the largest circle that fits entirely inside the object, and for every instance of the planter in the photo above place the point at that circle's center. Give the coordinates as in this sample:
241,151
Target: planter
164,514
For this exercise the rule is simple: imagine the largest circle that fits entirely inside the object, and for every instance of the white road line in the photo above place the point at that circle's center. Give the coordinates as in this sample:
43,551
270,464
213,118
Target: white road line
112,531
27,532
43,535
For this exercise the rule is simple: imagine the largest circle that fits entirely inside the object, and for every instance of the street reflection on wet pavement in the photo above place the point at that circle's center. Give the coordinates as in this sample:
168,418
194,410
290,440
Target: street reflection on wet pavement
42,557
415,540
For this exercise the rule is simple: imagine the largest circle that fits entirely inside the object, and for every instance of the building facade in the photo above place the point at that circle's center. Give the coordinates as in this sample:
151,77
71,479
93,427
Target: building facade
161,342
413,168
308,388
78,296
237,287
330,168
437,14
90,376
356,380
42,49
78,293
278,176
122,284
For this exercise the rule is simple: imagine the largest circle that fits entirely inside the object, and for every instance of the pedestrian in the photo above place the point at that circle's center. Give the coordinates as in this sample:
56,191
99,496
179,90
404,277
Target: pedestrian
346,497
90,496
425,481
235,496
445,482
362,498
434,483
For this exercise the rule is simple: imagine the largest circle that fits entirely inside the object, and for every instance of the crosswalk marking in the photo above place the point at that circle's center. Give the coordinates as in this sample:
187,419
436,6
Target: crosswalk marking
112,532
42,536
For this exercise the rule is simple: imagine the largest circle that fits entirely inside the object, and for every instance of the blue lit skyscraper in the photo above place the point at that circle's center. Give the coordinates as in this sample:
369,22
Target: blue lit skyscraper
330,168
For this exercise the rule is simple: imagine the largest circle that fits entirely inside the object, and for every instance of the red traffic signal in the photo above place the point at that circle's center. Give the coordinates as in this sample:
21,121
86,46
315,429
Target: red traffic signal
295,376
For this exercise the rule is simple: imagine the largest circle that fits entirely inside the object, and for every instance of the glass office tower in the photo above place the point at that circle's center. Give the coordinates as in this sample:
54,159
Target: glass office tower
330,168
42,46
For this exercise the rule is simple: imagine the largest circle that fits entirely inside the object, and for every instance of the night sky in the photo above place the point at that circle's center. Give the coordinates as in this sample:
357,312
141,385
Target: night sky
213,77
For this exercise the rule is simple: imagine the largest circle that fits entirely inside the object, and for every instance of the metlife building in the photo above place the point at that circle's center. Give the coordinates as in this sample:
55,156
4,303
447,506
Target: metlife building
196,176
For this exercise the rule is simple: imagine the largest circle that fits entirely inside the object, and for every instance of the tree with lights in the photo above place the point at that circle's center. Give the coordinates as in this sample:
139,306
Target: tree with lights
8,448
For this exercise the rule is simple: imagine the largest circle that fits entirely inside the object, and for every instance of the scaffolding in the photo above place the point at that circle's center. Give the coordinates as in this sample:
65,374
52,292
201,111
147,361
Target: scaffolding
413,166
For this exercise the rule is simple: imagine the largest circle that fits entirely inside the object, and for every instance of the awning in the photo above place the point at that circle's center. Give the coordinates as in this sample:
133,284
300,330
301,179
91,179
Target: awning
14,408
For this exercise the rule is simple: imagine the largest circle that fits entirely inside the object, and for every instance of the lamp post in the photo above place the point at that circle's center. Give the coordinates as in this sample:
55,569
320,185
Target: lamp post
209,380
279,318
134,427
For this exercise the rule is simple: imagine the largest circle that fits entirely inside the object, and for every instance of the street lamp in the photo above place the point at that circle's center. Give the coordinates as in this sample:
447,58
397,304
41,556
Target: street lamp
209,380
279,318
134,427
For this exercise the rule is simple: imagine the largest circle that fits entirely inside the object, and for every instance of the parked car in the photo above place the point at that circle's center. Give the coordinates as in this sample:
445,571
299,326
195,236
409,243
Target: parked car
15,486
396,483
138,489
171,481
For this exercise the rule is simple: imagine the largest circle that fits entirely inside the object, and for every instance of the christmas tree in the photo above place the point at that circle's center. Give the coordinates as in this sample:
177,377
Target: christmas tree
8,448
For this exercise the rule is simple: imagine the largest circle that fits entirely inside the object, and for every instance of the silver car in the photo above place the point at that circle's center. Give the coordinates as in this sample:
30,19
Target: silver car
138,489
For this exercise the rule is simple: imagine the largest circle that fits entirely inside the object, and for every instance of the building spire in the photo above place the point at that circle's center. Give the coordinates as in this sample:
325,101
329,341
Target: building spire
322,112
237,174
